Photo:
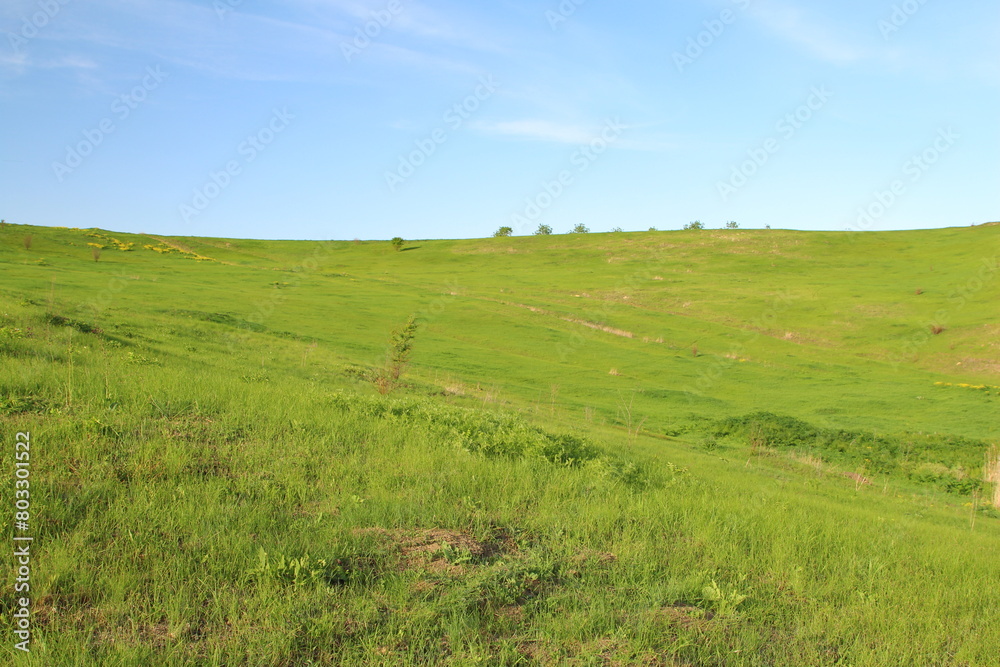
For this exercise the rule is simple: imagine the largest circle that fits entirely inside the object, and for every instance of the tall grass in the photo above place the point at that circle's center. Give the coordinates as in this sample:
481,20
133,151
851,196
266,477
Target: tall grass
186,517
992,473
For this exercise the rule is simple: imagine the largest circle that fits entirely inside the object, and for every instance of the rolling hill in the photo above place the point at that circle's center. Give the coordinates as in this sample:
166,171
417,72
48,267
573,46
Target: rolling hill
698,447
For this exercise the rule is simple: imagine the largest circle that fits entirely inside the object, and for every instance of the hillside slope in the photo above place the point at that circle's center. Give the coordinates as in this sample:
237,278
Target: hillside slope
827,327
560,479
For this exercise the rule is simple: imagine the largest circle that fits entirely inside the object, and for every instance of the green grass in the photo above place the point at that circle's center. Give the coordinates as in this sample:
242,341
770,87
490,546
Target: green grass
216,481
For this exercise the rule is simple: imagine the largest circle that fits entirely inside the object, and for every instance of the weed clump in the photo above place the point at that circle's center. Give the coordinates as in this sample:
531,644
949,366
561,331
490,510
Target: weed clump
495,434
946,462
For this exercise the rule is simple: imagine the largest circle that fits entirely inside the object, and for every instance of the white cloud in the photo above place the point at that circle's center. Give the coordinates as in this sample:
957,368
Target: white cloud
539,130
573,134
16,61
794,26
303,45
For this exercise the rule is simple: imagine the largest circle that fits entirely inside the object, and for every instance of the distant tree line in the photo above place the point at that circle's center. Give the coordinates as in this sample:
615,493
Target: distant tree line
580,228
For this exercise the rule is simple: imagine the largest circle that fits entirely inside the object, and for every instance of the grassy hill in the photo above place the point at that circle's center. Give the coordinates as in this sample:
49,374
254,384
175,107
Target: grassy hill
699,447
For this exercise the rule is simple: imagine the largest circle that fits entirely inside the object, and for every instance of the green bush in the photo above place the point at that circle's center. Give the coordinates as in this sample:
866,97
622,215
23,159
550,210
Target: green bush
495,434
947,462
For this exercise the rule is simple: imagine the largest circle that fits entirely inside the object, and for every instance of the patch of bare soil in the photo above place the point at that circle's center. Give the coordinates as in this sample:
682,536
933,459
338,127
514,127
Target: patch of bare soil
686,616
589,556
440,550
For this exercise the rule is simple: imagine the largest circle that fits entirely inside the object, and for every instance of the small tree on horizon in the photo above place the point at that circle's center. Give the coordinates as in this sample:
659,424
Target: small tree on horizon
503,231
697,224
580,229
732,224
397,243
543,230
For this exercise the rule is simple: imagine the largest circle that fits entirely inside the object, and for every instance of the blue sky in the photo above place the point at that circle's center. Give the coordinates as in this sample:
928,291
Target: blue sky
286,120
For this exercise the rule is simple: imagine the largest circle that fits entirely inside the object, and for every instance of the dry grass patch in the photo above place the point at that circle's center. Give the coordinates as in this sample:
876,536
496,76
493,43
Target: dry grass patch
439,549
591,557
992,473
809,461
686,616
600,327
859,479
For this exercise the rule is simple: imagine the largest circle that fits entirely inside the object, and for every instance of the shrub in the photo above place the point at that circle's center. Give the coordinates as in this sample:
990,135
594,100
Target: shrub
943,461
732,224
27,242
398,356
580,229
543,230
503,231
697,224
397,243
617,229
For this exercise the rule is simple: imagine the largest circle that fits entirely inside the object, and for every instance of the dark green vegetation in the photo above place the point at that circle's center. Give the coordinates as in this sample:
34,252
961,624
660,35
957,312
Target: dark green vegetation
695,448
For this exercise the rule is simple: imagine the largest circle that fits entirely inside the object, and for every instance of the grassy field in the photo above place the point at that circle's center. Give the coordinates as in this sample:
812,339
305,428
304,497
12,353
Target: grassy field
667,448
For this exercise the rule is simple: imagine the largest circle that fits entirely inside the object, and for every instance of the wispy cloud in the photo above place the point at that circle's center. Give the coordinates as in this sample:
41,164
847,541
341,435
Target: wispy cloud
239,45
414,19
68,62
572,134
13,61
538,130
806,32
